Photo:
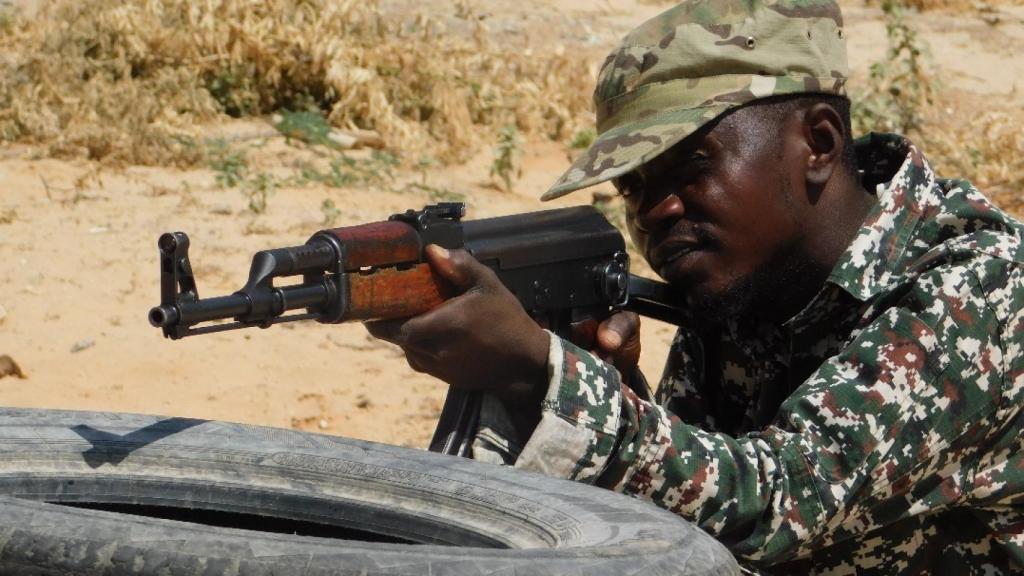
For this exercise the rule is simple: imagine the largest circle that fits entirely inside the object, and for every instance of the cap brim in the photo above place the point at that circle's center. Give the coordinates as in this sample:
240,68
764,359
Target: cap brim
625,148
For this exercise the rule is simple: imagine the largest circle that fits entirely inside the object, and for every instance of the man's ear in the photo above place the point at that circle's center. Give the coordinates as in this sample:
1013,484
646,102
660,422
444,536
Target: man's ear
824,134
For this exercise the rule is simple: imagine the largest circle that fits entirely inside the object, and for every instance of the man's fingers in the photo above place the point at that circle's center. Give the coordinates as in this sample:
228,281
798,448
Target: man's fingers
418,362
422,333
388,330
584,333
458,267
618,339
618,330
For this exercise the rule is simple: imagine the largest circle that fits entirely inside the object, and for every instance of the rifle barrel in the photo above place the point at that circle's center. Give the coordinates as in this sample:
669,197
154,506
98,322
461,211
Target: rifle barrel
312,295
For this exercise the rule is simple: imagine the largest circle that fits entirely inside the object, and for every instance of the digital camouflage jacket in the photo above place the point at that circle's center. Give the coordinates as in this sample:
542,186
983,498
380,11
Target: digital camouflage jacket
878,431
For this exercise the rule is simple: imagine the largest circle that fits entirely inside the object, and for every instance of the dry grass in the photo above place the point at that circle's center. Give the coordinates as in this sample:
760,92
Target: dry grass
962,5
964,135
957,6
987,148
127,81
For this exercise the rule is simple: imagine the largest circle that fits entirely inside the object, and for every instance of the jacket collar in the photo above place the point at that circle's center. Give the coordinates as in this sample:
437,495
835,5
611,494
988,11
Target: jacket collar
879,250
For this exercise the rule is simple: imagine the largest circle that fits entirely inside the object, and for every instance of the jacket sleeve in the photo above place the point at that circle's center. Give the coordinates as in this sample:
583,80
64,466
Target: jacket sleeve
888,427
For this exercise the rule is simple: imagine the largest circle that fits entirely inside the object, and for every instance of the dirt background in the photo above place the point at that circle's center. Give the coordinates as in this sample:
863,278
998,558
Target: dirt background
79,262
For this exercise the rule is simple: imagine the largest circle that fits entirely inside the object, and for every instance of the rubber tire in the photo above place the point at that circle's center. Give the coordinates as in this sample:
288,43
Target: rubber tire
494,520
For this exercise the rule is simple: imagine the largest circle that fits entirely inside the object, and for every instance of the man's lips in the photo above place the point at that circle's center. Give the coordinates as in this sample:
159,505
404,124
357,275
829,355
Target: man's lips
668,252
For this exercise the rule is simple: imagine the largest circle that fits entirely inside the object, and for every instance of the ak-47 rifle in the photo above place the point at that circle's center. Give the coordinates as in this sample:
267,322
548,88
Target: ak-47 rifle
566,266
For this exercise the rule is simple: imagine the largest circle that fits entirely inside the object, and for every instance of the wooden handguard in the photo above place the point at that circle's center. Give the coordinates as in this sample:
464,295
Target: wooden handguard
393,293
384,271
377,244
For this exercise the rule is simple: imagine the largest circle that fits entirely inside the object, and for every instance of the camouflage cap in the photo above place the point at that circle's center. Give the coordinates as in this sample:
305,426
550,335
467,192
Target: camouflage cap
690,64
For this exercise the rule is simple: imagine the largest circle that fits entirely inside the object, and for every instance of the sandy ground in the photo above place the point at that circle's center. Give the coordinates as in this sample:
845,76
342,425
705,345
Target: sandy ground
77,244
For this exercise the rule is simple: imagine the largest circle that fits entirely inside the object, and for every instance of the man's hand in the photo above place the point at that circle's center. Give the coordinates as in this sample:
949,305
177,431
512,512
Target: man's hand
480,339
616,340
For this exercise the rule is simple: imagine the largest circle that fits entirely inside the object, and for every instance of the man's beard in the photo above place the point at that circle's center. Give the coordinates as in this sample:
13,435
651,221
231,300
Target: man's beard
780,287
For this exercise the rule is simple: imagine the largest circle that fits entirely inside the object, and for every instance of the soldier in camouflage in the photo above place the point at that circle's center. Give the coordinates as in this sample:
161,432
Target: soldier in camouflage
848,398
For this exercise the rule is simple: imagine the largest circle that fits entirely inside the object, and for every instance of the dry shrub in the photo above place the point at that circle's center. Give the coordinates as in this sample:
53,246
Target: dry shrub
987,148
963,5
902,95
958,6
128,80
952,5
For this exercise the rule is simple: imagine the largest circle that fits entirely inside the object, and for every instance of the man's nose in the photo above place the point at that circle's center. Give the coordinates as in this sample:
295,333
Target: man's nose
664,211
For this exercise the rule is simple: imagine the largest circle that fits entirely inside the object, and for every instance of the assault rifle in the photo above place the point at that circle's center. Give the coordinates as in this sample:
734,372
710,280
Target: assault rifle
567,267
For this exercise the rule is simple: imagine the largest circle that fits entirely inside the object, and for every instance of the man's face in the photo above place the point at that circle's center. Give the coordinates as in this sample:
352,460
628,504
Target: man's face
716,217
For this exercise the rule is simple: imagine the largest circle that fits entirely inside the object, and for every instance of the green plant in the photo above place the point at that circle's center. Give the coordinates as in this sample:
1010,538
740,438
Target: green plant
434,193
231,170
444,195
900,86
330,212
582,139
424,164
233,89
344,170
507,163
230,166
305,126
258,189
385,163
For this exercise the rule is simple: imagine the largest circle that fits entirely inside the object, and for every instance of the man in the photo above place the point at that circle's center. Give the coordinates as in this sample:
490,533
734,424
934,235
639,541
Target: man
847,398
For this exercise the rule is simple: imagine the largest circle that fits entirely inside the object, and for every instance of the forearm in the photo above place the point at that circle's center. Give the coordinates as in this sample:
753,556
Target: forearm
578,425
755,493
594,429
